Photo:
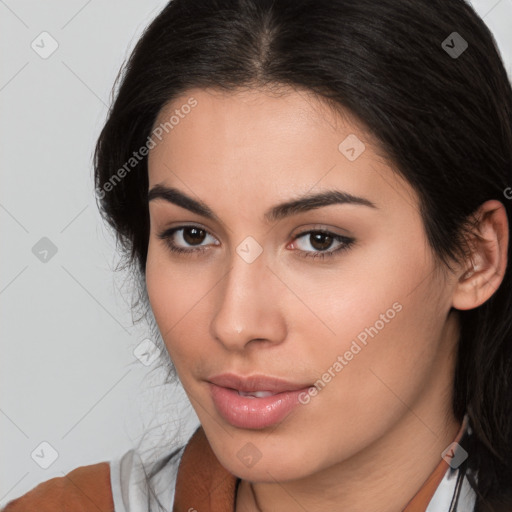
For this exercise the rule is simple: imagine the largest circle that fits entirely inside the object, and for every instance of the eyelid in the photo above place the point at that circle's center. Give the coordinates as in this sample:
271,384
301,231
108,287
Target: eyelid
293,236
307,228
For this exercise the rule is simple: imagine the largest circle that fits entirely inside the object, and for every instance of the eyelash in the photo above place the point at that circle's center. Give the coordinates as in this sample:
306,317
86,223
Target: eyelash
347,242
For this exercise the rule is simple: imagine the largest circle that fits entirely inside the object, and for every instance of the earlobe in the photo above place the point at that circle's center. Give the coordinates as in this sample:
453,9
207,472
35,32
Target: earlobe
484,268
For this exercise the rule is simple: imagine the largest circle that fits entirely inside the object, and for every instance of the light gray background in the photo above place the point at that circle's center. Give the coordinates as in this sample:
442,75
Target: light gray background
69,376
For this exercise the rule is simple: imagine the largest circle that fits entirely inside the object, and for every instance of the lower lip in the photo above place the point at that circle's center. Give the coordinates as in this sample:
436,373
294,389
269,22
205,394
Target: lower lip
255,413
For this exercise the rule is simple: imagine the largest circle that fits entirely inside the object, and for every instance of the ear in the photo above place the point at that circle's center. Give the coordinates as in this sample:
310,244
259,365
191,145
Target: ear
481,273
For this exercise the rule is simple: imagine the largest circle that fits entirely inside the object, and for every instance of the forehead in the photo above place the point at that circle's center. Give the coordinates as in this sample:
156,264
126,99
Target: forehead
261,142
283,110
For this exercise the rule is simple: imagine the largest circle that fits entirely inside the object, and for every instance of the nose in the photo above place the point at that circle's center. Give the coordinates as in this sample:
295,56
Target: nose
249,307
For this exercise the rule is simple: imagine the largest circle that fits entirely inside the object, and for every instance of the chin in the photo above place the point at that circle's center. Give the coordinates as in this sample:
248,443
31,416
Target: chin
262,459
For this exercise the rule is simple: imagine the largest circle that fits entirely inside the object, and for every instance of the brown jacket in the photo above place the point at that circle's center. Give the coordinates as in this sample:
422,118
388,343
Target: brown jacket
85,489
202,484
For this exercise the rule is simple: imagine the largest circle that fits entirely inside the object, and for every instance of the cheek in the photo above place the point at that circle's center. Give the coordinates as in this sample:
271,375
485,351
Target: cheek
373,290
383,315
389,340
167,298
177,298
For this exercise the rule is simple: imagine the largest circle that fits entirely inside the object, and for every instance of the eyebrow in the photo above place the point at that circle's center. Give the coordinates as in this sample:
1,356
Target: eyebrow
278,212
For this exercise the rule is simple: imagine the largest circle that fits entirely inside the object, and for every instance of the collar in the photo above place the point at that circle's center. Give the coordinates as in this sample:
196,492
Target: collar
203,484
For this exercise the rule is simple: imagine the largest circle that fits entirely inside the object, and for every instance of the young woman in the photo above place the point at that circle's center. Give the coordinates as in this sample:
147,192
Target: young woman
316,198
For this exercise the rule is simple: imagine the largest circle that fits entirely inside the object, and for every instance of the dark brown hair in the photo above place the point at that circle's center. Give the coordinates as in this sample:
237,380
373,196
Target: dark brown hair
444,120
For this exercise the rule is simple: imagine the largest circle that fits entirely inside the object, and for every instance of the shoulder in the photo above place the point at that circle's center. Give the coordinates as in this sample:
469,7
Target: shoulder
82,489
120,485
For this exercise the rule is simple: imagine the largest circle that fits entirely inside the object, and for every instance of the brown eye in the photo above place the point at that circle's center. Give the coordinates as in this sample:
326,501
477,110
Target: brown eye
186,239
193,235
320,242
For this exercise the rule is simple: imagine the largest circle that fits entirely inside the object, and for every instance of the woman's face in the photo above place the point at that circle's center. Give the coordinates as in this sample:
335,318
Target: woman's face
361,339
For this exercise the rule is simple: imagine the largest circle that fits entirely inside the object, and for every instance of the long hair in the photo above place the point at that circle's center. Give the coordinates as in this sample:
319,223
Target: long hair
425,78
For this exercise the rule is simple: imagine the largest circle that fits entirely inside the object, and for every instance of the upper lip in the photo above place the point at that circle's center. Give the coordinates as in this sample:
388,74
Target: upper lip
253,383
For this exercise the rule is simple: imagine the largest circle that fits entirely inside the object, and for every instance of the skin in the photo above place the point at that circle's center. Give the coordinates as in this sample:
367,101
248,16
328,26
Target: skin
376,431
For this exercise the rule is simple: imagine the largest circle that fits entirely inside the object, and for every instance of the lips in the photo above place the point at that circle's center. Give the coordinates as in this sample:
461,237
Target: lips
255,383
254,402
